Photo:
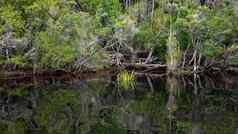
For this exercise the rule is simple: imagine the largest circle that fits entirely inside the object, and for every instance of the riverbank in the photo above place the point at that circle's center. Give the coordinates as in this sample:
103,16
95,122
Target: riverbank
141,70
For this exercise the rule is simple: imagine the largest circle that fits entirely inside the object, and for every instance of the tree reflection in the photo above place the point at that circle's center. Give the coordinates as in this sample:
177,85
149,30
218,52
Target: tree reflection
177,104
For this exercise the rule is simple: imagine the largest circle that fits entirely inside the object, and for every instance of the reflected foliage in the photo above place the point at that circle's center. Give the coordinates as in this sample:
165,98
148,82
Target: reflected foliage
97,107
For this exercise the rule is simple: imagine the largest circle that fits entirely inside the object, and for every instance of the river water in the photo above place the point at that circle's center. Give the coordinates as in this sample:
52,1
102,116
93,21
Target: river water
97,105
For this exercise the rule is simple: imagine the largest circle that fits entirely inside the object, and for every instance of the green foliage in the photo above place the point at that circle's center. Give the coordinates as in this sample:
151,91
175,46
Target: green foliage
145,37
109,126
18,60
55,44
183,127
60,32
210,50
54,105
9,17
111,8
234,61
90,5
154,34
63,108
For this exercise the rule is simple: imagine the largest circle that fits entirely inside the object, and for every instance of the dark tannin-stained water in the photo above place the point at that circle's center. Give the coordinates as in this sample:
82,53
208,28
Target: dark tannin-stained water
169,105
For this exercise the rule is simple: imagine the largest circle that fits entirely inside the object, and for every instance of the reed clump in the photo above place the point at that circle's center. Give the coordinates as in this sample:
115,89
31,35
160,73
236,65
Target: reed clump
126,80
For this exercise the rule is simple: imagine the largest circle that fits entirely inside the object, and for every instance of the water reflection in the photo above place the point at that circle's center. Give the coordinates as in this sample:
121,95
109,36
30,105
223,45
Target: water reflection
173,88
175,104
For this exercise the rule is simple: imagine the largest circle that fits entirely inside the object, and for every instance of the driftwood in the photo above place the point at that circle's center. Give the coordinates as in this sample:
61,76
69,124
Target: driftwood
232,69
144,68
138,74
141,65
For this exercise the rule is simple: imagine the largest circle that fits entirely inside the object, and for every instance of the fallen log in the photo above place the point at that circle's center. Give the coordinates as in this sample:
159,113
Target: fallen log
232,69
138,74
141,65
145,68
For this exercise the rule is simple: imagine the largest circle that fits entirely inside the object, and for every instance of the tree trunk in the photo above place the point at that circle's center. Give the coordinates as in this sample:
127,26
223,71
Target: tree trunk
149,8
